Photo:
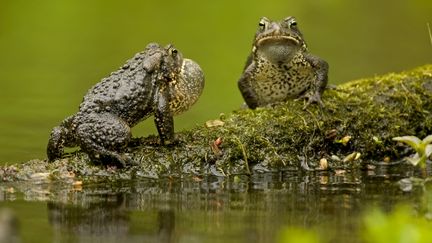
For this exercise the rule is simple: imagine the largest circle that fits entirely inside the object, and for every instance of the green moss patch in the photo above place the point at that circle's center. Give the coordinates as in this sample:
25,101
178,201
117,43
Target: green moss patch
354,128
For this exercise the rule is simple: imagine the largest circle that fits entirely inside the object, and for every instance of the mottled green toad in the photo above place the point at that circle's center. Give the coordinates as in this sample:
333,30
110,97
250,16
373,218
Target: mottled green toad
280,66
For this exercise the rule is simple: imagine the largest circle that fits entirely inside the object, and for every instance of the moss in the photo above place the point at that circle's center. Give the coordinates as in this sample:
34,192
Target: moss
354,128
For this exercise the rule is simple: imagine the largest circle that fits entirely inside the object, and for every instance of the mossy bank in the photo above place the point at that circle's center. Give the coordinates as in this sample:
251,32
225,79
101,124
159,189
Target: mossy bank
353,129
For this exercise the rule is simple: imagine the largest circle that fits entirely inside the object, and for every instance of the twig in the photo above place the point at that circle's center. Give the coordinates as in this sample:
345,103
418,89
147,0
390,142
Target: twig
430,33
244,154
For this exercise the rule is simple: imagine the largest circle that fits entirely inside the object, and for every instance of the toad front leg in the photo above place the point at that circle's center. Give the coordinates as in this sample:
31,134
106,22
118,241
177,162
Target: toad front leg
246,89
163,116
320,67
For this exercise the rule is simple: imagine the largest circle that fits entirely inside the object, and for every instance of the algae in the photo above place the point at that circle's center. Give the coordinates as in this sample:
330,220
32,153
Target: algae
354,128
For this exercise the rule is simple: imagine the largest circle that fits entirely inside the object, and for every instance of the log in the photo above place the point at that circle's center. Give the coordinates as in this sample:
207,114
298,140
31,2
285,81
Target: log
354,128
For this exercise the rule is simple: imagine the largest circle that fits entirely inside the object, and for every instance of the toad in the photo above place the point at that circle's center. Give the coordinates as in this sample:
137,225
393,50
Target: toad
280,67
157,81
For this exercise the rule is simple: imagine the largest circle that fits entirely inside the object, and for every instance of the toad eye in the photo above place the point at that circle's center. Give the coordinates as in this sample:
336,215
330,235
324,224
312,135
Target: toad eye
173,51
290,22
262,25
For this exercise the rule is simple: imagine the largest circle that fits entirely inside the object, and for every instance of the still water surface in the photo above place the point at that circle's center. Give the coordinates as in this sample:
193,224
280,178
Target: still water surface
236,209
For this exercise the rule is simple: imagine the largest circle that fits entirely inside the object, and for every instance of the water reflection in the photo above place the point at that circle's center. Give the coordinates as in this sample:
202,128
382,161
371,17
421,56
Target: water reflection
214,209
105,220
9,226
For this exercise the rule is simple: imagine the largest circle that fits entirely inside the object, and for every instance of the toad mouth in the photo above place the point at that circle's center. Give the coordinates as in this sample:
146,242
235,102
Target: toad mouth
266,39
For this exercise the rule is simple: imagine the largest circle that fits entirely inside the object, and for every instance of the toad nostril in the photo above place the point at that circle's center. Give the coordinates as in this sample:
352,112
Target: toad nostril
276,28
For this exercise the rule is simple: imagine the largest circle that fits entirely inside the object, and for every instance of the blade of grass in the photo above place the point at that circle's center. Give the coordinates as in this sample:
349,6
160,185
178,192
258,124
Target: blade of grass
430,33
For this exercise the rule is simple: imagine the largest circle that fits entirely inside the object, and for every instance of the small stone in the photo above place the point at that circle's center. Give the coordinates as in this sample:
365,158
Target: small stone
331,134
370,167
77,183
323,164
340,172
405,185
40,176
214,123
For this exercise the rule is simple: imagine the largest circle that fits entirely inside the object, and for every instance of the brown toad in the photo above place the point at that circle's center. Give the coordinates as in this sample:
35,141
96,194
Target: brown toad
157,81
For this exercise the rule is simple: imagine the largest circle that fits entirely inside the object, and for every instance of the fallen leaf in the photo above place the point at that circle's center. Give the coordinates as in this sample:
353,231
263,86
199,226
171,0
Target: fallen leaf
215,146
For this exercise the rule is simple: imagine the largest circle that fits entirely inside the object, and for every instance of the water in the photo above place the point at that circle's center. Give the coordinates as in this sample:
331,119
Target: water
213,209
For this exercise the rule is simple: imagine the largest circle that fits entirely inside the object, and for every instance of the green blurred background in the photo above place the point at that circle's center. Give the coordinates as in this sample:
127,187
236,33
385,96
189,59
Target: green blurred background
52,52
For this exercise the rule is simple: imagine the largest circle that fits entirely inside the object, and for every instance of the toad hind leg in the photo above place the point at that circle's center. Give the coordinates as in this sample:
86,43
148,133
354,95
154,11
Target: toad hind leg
104,137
